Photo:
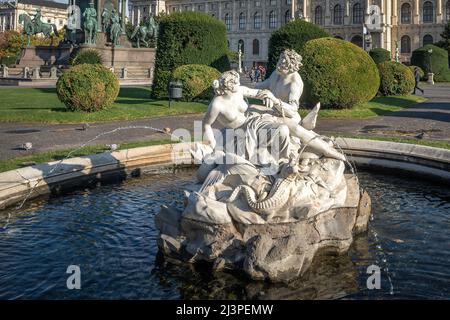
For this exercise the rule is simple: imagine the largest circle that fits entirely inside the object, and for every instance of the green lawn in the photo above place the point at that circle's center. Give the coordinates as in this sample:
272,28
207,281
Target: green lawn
376,107
48,156
42,105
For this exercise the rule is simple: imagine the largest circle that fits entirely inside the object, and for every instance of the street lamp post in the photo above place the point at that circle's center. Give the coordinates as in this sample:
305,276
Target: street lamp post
430,74
239,58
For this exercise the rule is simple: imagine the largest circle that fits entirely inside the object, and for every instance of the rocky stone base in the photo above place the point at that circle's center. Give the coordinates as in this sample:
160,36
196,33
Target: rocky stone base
277,252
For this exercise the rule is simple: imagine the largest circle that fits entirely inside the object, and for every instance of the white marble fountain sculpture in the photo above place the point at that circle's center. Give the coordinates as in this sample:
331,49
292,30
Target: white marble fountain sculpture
271,193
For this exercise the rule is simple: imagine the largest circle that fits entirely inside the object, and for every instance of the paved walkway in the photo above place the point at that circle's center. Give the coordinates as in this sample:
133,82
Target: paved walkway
430,120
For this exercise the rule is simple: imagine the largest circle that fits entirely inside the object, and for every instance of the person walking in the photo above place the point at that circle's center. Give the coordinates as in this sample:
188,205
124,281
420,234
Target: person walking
417,80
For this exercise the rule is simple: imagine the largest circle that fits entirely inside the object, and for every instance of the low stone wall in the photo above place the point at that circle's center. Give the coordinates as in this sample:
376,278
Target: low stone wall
423,161
47,178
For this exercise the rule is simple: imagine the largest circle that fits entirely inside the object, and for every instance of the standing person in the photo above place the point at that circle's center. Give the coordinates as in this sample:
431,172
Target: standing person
251,74
257,74
417,80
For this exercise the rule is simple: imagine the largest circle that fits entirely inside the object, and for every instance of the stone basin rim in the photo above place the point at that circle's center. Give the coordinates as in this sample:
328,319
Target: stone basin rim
15,185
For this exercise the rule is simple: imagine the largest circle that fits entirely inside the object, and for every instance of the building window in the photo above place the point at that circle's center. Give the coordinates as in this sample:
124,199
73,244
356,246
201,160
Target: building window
447,10
318,16
242,4
406,13
358,13
227,5
256,47
405,44
272,20
427,39
288,2
287,16
428,12
241,45
257,20
228,21
273,2
242,21
257,3
337,14
357,40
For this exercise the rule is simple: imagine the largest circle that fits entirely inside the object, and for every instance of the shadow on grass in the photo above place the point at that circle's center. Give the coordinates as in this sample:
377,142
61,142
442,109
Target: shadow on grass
394,101
46,90
135,93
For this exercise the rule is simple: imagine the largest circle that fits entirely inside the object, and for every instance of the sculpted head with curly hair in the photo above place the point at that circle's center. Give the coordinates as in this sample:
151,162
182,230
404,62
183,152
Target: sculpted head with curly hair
289,62
229,81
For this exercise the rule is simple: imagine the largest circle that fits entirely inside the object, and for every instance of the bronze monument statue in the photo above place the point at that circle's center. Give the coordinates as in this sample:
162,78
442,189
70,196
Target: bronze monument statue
148,30
33,26
90,24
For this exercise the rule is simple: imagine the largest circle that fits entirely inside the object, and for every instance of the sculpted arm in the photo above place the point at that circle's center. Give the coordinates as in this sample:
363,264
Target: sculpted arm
210,117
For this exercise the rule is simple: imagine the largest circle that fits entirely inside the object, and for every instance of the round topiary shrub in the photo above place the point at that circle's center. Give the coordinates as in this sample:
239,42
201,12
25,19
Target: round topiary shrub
337,73
89,56
87,87
396,79
197,80
380,55
435,62
292,35
188,38
413,69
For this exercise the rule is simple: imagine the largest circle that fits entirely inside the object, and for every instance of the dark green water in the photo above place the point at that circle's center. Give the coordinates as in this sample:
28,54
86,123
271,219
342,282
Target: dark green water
110,233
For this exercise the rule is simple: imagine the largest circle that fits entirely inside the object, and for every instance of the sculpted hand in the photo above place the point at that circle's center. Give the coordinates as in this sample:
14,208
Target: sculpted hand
269,99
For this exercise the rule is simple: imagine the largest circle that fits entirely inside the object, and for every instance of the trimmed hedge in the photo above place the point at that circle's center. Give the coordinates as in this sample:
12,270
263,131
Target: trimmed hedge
188,38
337,73
380,55
292,35
89,56
396,79
439,62
197,80
87,87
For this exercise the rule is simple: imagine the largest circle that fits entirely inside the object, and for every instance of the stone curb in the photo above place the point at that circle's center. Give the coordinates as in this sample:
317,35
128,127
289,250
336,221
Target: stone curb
43,179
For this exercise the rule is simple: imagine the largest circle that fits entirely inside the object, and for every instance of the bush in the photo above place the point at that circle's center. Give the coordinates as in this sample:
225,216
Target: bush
188,38
439,61
292,35
396,79
413,69
88,56
337,73
380,55
87,87
197,80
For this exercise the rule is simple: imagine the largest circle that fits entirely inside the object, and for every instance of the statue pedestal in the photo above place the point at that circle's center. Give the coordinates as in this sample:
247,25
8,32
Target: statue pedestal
36,56
272,251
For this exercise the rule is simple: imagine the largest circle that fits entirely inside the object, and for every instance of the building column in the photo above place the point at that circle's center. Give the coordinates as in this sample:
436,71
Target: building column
416,12
394,13
439,12
138,15
327,18
305,10
132,15
293,9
